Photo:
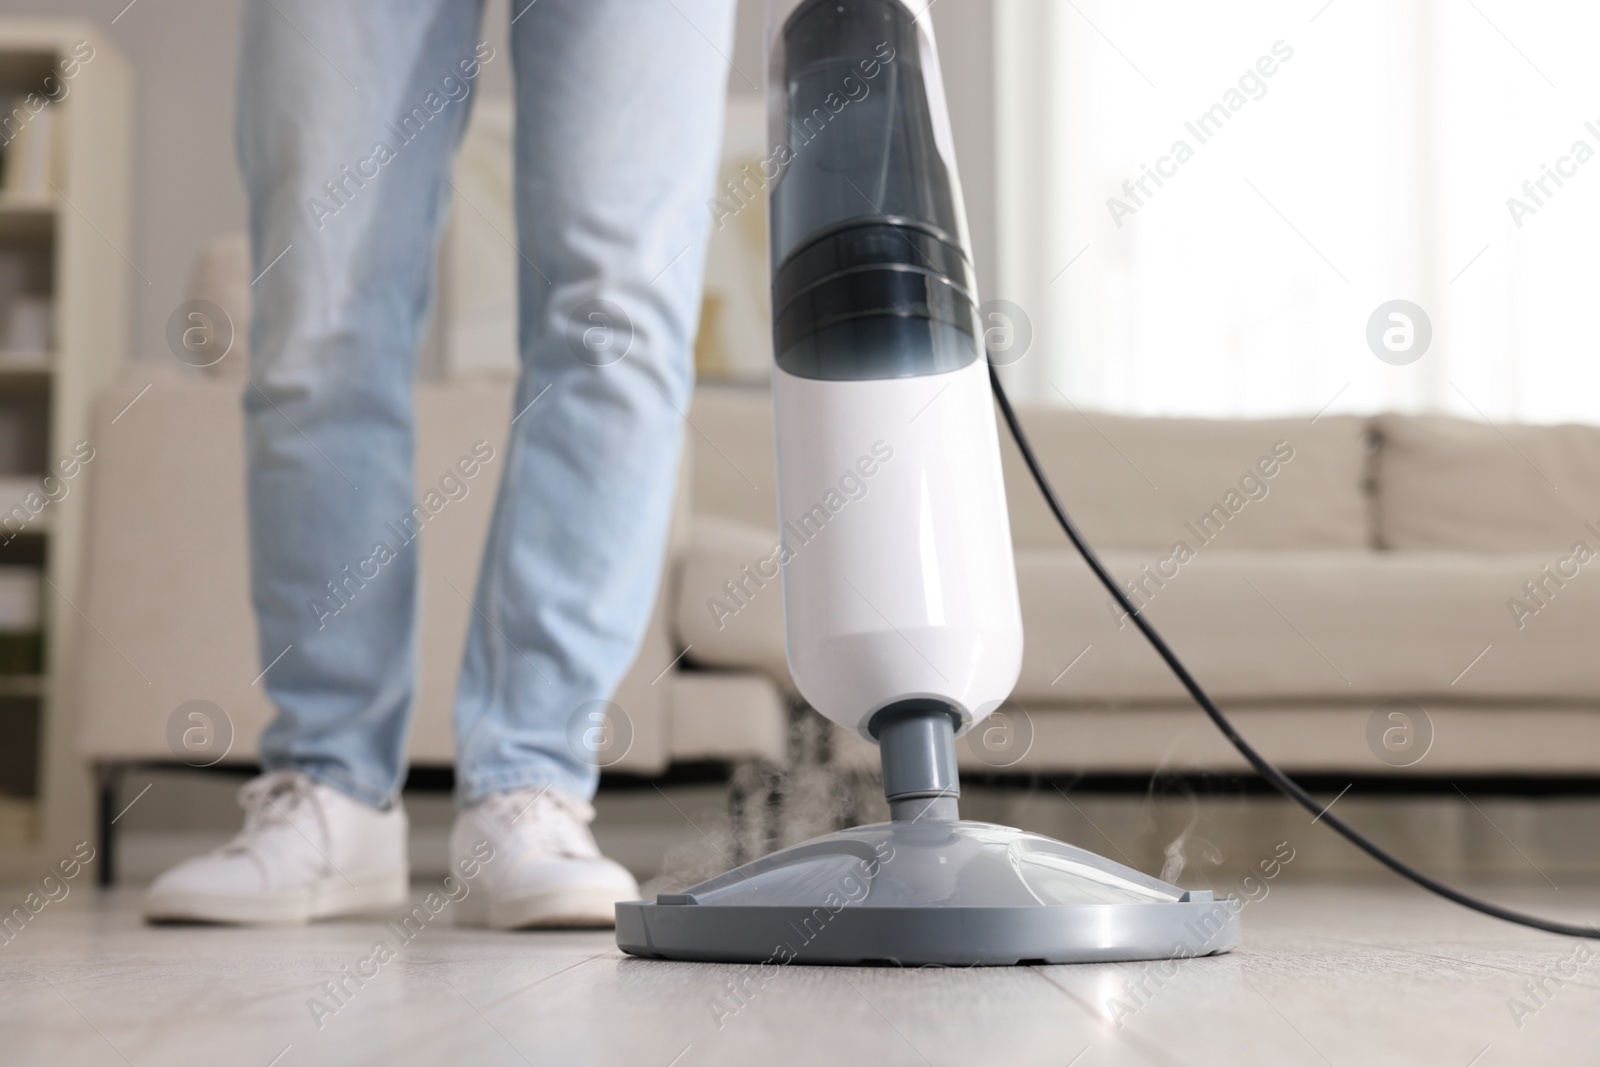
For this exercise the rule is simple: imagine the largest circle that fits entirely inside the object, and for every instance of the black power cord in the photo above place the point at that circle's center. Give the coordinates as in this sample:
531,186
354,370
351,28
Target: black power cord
1284,784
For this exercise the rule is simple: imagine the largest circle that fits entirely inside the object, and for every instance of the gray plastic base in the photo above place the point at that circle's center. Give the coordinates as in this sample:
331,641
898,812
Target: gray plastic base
930,892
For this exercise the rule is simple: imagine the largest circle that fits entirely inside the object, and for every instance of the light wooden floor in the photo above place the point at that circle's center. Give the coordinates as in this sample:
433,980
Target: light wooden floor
1342,975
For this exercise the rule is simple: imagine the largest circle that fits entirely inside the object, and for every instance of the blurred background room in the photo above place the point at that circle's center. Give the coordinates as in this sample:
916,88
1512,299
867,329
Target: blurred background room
1305,289
1215,243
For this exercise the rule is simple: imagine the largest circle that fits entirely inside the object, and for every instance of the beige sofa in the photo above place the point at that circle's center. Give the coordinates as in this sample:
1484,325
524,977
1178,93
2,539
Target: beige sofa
1356,562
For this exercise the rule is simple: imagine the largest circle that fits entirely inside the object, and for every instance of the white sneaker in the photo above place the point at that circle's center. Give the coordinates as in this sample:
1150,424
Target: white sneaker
545,869
306,852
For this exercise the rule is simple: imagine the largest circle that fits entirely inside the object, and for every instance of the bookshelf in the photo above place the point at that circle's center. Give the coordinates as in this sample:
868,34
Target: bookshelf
65,227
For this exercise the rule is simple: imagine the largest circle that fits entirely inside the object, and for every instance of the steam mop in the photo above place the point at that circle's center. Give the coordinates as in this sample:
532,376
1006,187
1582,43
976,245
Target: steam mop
900,594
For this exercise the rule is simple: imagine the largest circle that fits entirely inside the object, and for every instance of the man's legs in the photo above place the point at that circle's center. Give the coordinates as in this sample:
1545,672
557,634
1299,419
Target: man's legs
348,116
619,119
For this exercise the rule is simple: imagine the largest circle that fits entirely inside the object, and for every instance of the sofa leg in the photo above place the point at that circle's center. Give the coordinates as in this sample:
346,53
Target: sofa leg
108,777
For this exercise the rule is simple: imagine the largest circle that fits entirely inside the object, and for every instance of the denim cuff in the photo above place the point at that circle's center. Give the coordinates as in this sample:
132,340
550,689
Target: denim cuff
471,789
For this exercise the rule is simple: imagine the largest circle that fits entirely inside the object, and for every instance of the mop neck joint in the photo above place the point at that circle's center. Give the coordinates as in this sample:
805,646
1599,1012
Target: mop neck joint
917,743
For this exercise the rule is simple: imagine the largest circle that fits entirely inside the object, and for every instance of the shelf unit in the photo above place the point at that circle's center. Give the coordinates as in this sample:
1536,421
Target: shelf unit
75,234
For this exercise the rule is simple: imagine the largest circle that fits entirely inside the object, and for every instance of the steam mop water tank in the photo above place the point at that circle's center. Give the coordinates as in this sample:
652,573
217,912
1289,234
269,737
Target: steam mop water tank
899,582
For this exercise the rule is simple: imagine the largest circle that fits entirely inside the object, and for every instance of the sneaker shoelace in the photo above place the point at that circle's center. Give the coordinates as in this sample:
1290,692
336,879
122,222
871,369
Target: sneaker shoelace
270,803
544,820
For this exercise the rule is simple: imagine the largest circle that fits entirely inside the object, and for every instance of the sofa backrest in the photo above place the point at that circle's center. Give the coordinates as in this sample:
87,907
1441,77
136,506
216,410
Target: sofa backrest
1409,482
1130,482
1448,484
1149,483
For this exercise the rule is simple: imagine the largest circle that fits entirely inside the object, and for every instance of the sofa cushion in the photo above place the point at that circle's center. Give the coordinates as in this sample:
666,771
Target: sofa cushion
1254,626
727,715
752,636
1130,482
1300,738
1148,482
1312,626
1457,485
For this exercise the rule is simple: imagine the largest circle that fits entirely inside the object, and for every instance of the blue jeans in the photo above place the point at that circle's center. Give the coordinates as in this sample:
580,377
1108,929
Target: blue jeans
349,113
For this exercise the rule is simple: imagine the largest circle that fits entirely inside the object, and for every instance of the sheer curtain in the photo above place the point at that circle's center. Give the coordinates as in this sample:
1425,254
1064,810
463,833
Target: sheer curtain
1203,206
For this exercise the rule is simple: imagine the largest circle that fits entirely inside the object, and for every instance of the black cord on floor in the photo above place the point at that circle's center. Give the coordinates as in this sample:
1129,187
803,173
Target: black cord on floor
1281,781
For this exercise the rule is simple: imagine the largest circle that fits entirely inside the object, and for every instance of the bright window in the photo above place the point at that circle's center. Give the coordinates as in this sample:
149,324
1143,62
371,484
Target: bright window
1204,205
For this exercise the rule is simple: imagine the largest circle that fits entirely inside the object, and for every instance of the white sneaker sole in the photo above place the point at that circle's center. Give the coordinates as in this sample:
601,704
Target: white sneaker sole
570,908
329,899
